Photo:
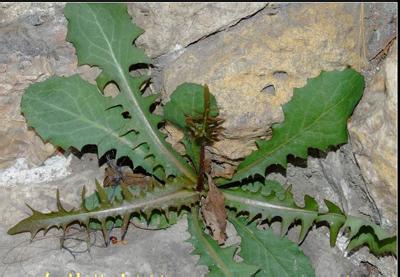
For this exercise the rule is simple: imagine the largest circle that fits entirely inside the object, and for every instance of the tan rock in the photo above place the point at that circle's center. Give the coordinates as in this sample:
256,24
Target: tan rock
32,48
16,140
171,26
174,137
373,133
252,68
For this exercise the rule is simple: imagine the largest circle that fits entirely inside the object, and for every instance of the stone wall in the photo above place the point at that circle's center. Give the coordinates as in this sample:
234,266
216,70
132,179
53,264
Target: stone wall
251,55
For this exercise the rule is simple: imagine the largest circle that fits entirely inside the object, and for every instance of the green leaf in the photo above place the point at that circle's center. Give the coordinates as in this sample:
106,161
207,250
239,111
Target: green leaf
377,247
265,188
273,203
315,117
219,260
156,220
192,149
360,231
274,255
103,35
70,112
335,218
187,100
162,198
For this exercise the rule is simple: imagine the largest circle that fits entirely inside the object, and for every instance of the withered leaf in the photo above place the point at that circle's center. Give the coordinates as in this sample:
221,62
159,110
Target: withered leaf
214,213
110,176
137,179
113,176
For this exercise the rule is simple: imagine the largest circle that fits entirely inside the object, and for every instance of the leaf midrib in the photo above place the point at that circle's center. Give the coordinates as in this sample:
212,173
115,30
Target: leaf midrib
125,207
142,117
256,203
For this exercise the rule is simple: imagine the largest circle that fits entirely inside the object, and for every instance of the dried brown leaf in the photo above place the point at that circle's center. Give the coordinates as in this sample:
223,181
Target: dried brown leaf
113,176
214,213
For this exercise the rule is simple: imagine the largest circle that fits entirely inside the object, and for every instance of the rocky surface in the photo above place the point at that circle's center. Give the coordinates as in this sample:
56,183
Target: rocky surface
173,26
335,176
159,253
380,27
32,48
251,57
252,71
373,132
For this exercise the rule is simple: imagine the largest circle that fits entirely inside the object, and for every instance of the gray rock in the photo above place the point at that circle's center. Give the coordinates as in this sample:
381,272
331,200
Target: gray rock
335,176
380,26
159,253
32,13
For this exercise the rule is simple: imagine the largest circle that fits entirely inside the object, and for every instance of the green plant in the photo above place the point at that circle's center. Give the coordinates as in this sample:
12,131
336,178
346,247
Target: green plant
69,112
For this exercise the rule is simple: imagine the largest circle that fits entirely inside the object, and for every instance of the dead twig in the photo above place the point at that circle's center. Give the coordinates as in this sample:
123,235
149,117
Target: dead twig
385,50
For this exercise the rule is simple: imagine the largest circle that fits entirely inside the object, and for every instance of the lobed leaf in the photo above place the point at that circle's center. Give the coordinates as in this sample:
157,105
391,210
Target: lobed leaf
315,117
278,205
273,205
359,231
157,219
162,198
70,112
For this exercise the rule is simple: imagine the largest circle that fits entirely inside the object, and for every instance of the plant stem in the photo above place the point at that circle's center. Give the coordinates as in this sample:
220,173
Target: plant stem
203,139
200,178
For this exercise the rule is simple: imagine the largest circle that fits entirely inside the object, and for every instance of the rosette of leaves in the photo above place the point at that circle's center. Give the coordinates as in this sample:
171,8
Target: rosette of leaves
70,112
